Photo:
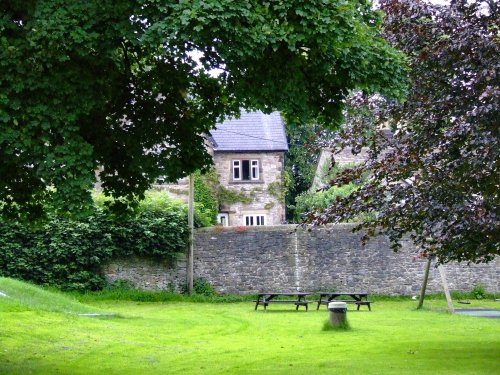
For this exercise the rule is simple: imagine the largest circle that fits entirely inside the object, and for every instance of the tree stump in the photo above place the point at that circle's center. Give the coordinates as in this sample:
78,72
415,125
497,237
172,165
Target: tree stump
338,313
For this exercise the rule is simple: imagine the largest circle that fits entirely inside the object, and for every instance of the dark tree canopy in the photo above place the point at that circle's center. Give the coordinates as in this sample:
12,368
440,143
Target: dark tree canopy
437,180
300,163
113,84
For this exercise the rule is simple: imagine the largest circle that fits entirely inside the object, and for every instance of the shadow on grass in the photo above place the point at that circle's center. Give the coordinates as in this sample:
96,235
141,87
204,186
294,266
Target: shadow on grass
345,326
103,316
283,311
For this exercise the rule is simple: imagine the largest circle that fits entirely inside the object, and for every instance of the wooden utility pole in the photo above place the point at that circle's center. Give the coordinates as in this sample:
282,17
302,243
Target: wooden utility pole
424,283
446,290
191,234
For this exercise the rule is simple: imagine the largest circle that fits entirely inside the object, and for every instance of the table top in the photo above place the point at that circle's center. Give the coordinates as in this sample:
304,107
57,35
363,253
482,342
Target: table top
284,294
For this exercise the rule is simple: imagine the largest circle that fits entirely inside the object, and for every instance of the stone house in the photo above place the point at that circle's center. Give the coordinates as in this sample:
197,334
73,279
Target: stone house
248,154
344,158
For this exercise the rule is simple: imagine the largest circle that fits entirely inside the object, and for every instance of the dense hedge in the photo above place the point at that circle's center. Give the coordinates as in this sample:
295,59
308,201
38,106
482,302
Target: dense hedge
69,254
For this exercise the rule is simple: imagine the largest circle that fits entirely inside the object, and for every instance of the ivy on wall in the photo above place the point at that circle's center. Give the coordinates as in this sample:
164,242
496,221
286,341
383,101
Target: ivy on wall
205,200
279,189
219,193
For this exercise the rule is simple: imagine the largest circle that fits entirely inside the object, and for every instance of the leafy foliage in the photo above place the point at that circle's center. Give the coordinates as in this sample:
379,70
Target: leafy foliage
278,189
114,84
69,254
203,287
207,205
437,179
219,193
300,162
158,202
320,200
479,291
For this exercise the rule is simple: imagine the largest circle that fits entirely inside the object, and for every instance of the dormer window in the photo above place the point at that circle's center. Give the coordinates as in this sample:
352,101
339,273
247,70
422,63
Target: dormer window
246,170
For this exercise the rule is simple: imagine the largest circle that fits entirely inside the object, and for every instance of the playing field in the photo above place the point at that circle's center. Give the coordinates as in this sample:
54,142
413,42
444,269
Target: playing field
232,338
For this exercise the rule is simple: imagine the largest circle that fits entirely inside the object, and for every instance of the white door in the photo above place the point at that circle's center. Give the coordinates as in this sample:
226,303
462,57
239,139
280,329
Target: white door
223,219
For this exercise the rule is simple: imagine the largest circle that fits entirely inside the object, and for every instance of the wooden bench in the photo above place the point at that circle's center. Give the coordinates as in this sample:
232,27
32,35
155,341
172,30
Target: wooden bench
350,301
266,299
366,303
358,298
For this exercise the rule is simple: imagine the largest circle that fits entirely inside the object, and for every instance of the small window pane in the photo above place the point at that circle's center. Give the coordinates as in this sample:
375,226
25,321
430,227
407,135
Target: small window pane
251,220
236,170
255,169
245,169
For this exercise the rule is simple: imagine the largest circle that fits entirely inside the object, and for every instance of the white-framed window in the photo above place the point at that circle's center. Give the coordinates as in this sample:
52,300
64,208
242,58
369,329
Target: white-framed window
254,220
223,219
254,173
236,170
246,170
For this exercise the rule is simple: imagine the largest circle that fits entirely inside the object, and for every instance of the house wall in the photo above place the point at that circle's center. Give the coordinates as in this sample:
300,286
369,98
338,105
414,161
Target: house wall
265,194
248,260
342,159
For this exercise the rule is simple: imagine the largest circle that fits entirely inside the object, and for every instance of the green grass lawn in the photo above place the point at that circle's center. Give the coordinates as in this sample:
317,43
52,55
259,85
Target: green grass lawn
180,337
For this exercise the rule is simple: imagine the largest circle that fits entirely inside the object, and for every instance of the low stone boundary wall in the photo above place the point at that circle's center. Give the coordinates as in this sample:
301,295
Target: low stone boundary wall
252,259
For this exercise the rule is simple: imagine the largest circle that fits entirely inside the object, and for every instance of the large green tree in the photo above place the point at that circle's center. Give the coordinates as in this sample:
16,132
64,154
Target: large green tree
113,84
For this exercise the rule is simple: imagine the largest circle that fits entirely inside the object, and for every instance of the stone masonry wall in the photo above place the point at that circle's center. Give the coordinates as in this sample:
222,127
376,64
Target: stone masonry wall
263,201
248,260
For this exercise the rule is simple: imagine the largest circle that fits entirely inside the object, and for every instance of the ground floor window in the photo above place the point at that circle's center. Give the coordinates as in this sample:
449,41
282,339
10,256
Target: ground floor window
223,219
252,220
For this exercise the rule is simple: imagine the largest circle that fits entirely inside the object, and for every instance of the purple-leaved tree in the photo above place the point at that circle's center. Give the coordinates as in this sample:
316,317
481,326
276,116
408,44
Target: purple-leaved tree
437,179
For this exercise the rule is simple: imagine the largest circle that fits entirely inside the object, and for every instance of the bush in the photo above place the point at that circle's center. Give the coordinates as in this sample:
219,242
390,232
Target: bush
479,291
68,254
201,287
310,201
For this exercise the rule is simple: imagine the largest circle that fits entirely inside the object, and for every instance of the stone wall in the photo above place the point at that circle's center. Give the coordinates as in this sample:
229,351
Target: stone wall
148,274
247,260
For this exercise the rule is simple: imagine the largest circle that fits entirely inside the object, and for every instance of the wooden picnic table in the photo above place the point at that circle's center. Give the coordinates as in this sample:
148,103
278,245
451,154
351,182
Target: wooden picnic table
299,299
358,298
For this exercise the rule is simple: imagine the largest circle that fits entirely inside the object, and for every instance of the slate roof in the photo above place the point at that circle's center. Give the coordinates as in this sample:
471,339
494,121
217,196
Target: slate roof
253,131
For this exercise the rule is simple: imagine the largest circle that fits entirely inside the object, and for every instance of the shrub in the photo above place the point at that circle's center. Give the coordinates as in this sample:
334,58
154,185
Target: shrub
68,254
310,201
201,287
479,291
